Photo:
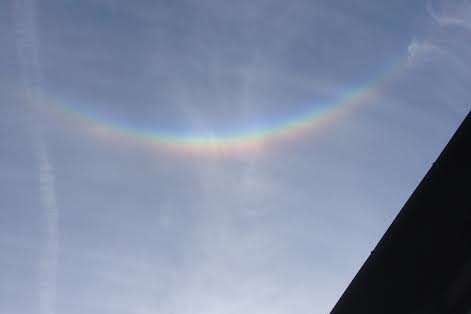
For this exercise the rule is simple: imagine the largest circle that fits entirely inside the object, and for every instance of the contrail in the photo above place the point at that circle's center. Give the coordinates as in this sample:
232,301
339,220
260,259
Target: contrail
48,264
27,44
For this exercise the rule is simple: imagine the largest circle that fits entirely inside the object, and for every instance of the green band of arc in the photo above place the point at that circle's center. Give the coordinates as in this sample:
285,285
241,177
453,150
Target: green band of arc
232,140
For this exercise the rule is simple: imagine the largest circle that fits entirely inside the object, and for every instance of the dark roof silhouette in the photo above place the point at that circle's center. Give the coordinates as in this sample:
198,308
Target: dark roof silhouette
422,264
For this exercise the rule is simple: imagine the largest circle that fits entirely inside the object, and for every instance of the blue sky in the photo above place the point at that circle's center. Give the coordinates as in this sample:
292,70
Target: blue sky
116,224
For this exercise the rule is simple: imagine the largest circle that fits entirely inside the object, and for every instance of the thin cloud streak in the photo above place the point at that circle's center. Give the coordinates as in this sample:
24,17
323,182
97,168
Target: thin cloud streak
48,263
27,45
455,16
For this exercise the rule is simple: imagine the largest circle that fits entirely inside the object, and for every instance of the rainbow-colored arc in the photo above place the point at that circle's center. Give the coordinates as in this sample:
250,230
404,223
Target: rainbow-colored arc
228,142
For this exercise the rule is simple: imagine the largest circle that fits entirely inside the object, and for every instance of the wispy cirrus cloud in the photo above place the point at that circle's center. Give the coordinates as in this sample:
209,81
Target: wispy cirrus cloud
31,74
452,13
48,263
421,51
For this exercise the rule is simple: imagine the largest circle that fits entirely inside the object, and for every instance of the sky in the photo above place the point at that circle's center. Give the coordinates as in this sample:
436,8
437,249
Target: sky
186,157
